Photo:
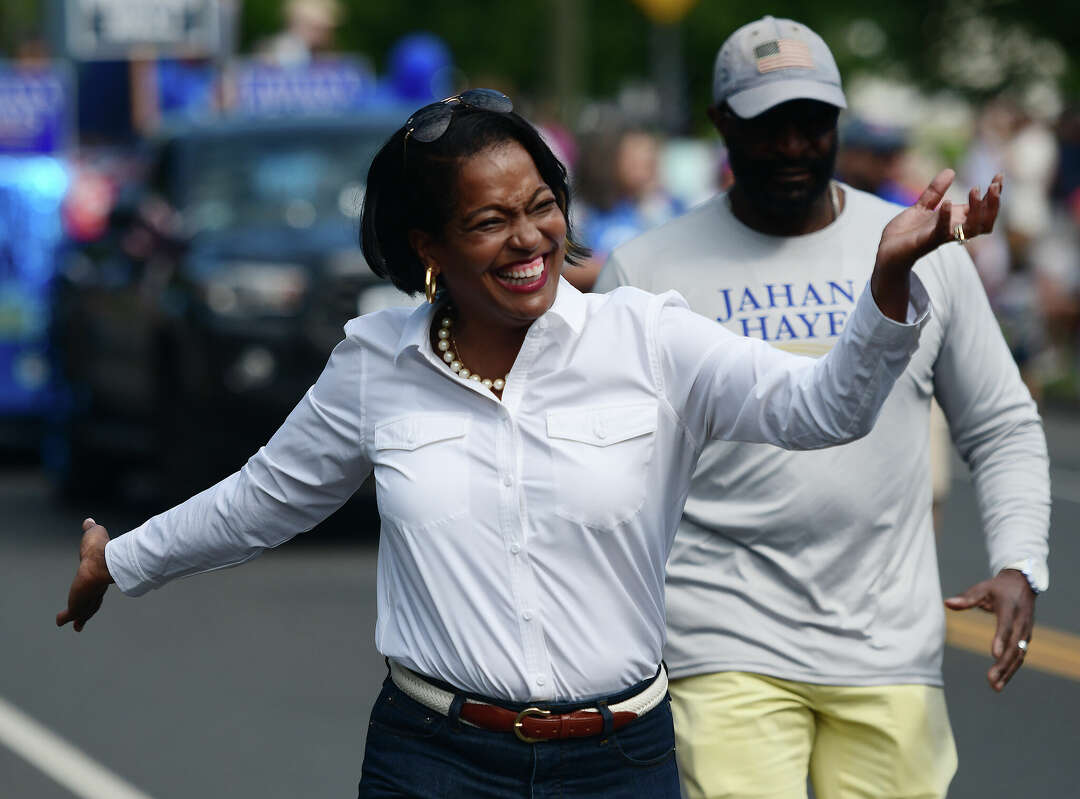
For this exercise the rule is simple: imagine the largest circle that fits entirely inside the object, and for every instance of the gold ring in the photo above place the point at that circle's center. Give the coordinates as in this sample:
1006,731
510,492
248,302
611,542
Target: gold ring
958,234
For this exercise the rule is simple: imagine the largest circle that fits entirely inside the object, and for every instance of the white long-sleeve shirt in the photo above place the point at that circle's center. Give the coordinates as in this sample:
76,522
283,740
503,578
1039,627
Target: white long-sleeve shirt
822,566
523,542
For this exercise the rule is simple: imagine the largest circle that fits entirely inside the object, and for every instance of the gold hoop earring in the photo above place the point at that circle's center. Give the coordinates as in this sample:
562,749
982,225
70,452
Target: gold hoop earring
430,285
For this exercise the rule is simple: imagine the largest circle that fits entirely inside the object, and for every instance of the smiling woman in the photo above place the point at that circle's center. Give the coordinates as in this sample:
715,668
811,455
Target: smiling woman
500,254
413,186
525,518
479,208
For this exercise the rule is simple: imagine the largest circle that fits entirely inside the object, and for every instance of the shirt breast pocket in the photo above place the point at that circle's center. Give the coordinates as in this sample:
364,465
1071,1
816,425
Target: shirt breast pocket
600,458
422,468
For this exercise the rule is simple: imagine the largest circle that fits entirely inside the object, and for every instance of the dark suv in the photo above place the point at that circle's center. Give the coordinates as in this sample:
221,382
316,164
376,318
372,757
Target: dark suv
192,327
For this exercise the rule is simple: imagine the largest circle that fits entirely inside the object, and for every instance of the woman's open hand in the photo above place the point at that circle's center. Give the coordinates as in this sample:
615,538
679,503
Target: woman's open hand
922,228
91,580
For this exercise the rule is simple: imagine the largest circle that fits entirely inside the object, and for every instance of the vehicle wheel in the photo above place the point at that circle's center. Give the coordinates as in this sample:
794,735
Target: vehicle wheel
80,473
179,444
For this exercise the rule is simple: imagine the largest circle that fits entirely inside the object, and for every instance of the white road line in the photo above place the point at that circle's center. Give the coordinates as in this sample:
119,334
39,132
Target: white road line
58,759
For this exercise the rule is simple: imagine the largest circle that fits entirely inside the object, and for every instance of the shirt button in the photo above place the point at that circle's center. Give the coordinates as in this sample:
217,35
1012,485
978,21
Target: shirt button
508,480
527,615
600,430
514,549
540,680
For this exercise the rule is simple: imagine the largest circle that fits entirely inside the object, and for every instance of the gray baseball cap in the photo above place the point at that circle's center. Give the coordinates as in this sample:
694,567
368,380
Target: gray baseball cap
771,61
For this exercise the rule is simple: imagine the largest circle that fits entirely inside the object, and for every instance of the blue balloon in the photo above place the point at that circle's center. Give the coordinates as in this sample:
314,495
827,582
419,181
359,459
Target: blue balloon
420,66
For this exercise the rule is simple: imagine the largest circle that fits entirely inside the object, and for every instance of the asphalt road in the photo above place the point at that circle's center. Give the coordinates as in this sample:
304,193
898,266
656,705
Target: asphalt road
258,682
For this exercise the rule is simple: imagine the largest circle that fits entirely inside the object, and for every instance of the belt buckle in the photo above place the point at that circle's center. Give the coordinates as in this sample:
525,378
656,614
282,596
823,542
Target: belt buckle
518,721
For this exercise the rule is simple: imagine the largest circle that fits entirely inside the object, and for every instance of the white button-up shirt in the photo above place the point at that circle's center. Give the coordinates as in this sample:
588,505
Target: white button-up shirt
523,542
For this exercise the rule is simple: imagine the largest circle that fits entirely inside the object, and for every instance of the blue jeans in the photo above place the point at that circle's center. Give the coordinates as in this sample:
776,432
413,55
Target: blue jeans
416,752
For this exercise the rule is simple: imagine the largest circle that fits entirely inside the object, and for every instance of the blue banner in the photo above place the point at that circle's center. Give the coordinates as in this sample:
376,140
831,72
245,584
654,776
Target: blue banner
32,189
322,87
35,110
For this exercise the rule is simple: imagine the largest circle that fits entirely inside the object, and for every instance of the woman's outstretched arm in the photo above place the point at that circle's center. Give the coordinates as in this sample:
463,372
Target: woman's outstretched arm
311,466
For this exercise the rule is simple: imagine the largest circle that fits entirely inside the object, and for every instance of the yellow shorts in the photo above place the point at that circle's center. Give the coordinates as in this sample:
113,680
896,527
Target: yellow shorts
940,453
741,735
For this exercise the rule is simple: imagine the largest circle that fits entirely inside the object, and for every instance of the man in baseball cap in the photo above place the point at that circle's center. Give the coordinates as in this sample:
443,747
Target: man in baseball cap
771,61
776,75
806,627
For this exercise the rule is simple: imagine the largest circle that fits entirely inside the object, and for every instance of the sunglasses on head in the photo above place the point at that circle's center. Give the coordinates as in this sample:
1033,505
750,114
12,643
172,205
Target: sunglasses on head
432,121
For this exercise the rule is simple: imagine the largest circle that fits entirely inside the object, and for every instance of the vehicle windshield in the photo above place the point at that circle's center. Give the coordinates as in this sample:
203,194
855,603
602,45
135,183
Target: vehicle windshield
298,180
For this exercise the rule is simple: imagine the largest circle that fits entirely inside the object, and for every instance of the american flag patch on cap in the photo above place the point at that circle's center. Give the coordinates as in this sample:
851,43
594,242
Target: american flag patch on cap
782,54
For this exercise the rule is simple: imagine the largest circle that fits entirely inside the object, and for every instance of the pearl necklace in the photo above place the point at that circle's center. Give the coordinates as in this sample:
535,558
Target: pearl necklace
448,347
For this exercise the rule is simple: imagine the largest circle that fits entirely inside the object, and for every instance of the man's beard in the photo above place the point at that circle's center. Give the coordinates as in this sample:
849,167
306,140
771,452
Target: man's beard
773,198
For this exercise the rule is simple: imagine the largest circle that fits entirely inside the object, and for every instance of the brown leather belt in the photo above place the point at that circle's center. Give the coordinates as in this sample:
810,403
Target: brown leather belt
533,724
536,724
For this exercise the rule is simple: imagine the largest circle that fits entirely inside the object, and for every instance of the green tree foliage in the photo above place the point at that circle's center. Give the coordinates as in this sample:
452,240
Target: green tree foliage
489,38
19,19
515,43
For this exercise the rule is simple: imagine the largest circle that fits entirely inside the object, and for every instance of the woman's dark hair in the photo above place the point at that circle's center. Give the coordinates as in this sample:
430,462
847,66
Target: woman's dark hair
412,187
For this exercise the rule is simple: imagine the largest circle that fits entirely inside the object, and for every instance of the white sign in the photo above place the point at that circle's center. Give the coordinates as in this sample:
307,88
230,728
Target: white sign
112,29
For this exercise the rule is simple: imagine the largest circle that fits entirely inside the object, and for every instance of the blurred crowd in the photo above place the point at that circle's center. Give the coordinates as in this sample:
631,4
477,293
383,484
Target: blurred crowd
1030,267
630,178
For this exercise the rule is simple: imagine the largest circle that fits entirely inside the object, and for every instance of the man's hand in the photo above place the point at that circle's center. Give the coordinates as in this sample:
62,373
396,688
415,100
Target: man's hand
1009,597
91,580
